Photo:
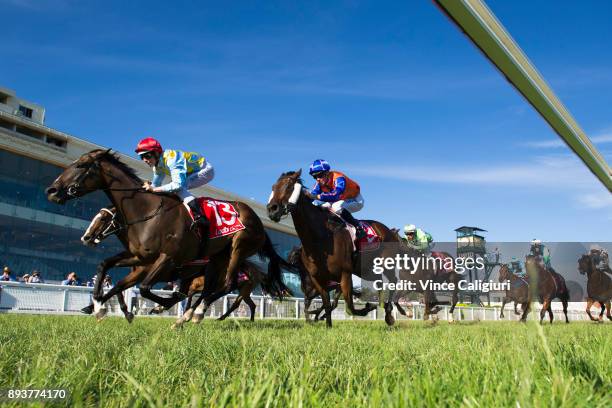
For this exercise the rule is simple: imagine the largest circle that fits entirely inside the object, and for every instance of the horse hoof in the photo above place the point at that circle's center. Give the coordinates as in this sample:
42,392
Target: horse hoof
451,319
176,325
88,309
197,318
100,315
129,317
390,320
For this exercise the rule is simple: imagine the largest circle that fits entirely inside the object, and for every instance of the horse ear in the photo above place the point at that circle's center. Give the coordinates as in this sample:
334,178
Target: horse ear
298,173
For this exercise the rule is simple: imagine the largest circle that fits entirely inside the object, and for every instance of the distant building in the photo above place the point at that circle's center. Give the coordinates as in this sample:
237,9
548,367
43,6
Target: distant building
38,234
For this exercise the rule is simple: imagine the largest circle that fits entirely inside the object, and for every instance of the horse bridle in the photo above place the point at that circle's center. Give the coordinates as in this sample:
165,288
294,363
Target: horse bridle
74,188
112,227
291,203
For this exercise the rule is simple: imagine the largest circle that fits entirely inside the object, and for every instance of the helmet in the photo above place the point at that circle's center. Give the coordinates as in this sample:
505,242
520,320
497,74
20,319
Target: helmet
319,166
595,247
409,228
536,242
148,144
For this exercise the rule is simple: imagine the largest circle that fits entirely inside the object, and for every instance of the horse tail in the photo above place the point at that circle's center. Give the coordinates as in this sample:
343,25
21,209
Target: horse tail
273,283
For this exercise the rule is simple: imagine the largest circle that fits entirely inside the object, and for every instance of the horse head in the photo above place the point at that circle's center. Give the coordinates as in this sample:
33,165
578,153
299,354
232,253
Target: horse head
584,264
285,194
504,273
82,176
101,226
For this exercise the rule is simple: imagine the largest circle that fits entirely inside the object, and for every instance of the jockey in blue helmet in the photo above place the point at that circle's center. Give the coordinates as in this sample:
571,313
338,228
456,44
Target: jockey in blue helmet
337,192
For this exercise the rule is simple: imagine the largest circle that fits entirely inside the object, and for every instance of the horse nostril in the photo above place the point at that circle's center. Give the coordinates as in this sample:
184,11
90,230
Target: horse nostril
51,190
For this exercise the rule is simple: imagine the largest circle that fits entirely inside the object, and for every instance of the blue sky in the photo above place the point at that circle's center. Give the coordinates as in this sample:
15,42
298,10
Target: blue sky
389,92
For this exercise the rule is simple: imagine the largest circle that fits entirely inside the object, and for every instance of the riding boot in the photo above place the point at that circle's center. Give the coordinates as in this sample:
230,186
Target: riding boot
348,217
200,221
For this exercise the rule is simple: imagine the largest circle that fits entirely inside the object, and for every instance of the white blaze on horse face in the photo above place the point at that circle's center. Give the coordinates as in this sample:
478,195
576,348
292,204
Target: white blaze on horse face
93,224
271,196
297,189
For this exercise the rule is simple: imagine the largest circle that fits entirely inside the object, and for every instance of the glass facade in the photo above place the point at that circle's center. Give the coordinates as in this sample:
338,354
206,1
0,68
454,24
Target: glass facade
32,236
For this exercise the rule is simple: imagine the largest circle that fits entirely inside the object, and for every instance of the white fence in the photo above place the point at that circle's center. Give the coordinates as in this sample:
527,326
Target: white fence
55,299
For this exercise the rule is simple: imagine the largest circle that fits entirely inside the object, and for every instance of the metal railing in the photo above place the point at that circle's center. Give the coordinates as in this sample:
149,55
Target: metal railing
57,299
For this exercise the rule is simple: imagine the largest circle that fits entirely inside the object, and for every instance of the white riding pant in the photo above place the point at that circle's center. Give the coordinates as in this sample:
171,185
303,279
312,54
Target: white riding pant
195,180
350,204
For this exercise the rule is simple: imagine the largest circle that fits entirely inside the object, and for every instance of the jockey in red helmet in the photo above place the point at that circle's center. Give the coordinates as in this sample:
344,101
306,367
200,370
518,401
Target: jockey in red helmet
187,170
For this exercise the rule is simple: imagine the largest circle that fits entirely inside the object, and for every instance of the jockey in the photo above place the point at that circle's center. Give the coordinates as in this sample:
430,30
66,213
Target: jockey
336,191
418,239
187,170
600,258
540,251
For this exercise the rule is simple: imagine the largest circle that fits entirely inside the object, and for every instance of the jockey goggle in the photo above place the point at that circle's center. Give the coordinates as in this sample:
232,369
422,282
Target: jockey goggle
319,174
147,155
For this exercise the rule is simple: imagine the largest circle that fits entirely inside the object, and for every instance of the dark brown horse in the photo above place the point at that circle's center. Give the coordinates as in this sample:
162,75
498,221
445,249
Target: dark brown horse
327,247
250,276
518,292
547,285
157,227
599,287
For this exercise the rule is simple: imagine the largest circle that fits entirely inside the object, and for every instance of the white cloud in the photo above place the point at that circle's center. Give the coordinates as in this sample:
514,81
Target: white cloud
545,172
596,200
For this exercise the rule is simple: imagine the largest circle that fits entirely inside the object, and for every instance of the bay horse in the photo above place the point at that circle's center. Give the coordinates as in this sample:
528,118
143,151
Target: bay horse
599,287
327,246
518,292
157,227
250,276
547,285
105,224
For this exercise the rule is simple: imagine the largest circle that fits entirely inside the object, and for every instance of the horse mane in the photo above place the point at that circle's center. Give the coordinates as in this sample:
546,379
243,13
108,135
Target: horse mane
291,173
113,158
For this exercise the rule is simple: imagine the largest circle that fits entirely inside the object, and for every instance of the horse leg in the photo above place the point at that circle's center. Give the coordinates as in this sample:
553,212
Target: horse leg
124,258
504,301
588,309
233,307
603,309
550,312
400,309
545,306
346,283
516,312
131,279
251,305
244,291
525,306
608,312
564,302
160,268
325,298
128,315
307,302
233,266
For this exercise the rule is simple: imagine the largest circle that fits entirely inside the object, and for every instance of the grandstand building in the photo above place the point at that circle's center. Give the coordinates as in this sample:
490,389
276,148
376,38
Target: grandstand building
38,234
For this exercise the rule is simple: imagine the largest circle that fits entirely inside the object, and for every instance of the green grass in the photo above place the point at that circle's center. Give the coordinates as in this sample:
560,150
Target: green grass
290,363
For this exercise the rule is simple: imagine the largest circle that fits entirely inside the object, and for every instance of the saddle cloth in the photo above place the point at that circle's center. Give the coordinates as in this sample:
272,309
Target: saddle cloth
222,216
371,242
